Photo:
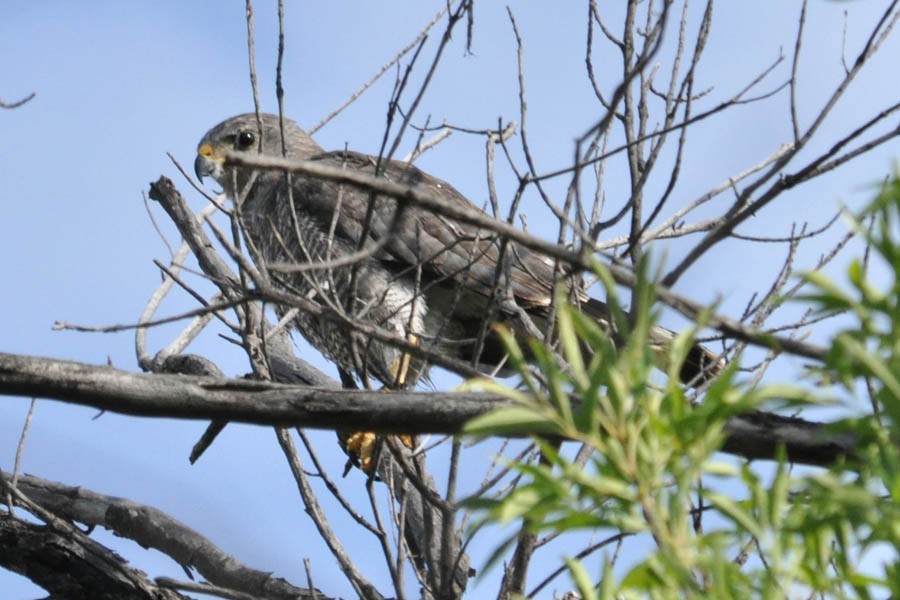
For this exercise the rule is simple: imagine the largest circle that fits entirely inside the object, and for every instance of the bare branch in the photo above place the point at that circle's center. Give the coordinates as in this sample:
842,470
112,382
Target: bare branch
754,436
81,568
17,103
359,92
363,587
152,528
743,206
474,216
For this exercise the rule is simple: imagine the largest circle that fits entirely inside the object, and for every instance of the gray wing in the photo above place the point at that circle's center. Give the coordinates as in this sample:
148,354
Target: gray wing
448,250
414,237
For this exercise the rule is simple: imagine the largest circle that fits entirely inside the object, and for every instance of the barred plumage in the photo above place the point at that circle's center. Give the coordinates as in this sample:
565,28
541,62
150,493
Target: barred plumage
427,277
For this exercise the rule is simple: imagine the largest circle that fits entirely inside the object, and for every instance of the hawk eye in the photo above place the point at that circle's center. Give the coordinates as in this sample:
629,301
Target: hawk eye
244,140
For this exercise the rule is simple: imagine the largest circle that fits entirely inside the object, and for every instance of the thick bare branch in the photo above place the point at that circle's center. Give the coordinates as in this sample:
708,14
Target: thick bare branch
243,400
152,528
264,403
72,568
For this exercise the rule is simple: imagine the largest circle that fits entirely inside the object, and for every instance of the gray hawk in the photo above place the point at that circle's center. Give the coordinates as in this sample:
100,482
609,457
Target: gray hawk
427,278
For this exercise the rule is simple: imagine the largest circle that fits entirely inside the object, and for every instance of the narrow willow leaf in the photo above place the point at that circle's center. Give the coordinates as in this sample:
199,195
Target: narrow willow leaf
512,420
581,579
568,341
874,364
730,509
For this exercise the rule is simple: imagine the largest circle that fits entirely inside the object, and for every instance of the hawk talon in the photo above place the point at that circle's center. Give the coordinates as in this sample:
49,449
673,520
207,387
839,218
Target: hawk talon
362,447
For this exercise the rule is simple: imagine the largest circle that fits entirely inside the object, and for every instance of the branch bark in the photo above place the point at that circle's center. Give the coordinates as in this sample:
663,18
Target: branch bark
72,569
149,527
755,435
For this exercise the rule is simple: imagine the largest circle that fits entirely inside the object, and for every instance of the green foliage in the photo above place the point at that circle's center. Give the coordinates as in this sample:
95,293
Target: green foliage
718,530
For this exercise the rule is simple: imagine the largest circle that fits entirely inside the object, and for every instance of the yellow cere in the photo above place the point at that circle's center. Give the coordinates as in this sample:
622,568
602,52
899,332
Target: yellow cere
205,150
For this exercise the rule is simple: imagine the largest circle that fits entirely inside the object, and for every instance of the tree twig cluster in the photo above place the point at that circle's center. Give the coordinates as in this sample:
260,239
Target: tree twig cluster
647,114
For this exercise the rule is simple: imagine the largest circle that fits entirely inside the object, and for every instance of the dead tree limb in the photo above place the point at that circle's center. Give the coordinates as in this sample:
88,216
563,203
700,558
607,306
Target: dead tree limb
149,527
755,435
70,568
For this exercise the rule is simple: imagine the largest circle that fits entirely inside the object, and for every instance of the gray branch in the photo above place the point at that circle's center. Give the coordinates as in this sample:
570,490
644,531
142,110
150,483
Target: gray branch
754,435
151,528
72,568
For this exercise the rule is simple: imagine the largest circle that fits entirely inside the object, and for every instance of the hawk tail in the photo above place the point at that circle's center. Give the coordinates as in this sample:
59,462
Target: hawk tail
700,365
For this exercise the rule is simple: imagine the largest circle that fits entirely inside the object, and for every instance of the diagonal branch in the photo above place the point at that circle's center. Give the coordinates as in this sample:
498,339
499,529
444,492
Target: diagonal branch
152,528
474,216
72,568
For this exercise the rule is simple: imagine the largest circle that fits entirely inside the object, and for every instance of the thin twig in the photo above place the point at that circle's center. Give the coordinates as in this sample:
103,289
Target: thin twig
360,584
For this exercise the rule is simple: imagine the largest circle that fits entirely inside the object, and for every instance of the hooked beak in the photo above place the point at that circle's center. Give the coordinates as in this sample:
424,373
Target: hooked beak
204,167
207,162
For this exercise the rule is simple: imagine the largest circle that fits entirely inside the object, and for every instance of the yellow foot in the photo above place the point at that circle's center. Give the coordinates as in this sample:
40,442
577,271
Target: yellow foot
362,446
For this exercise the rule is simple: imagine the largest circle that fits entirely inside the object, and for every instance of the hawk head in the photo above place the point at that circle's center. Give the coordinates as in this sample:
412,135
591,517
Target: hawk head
244,134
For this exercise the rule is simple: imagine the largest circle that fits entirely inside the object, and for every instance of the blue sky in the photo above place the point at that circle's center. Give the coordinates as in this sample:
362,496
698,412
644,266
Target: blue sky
120,84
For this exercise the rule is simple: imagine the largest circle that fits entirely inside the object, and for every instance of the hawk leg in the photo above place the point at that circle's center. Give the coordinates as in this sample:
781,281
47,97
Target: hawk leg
362,446
400,368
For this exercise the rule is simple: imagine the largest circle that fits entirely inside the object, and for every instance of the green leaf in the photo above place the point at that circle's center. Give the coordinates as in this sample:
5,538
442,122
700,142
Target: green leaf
581,579
512,420
568,341
733,511
873,364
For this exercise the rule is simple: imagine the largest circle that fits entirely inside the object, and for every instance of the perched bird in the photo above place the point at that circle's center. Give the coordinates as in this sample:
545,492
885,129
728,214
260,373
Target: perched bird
422,276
